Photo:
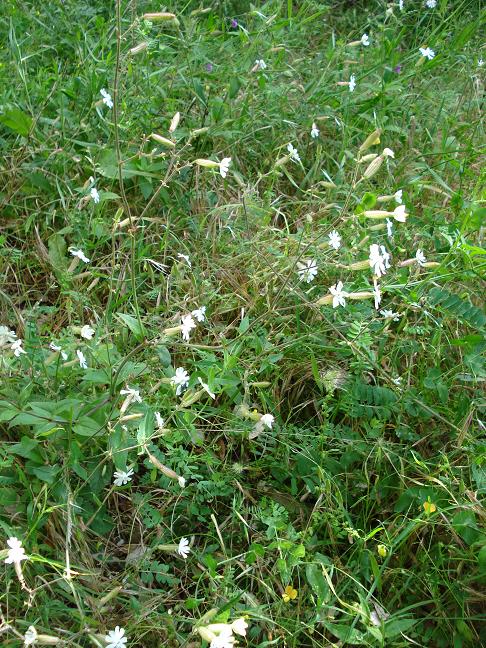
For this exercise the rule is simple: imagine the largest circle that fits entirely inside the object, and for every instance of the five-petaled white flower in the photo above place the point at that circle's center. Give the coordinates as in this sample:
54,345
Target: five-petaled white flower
224,166
116,638
294,154
199,313
187,325
30,637
80,254
420,257
389,227
400,214
183,548
335,240
352,83
6,336
365,40
122,477
389,314
87,332
260,64
398,195
387,152
431,4
58,349
379,259
16,552
107,100
338,295
180,379
205,386
131,395
159,421
239,626
182,482
307,270
376,294
225,639
314,131
267,420
82,359
95,195
426,52
17,348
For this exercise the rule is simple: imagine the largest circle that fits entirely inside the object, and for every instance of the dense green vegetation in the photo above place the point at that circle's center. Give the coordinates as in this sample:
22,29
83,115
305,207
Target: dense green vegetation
207,438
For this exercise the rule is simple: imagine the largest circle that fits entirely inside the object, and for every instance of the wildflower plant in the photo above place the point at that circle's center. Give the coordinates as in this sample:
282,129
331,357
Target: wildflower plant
241,330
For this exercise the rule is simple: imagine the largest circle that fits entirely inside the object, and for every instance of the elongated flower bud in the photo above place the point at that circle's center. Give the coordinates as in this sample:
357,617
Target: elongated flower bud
371,140
165,470
159,16
174,122
357,296
138,48
163,140
368,158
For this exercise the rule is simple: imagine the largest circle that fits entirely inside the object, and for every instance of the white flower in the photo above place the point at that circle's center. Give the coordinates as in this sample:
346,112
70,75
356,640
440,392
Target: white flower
480,63
379,259
260,64
87,332
30,637
426,52
387,152
389,314
199,313
267,420
17,348
431,4
131,394
16,553
206,388
376,294
187,325
55,347
183,548
107,100
335,240
180,380
314,131
400,214
95,195
116,638
159,421
352,83
338,295
239,626
82,359
365,40
224,166
397,381
294,155
225,639
6,336
307,270
420,257
398,195
182,481
389,227
122,477
80,254
400,5
186,258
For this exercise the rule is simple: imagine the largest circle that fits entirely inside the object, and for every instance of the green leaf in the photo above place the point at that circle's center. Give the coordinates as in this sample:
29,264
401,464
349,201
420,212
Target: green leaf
319,585
133,324
45,473
464,523
482,560
394,627
345,633
27,448
87,427
17,120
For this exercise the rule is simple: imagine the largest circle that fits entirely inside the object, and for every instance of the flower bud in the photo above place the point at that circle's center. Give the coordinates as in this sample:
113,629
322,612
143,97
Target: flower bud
174,122
159,16
163,140
138,48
